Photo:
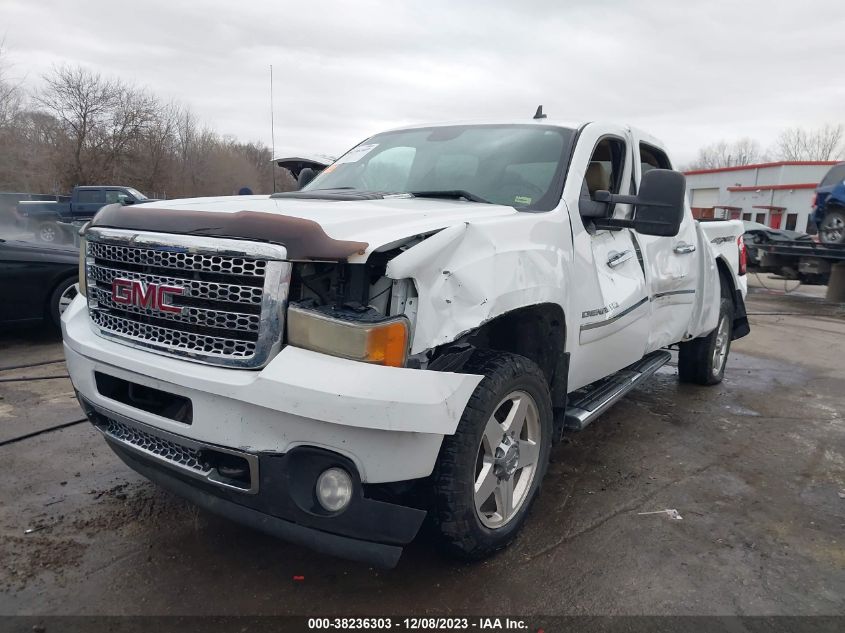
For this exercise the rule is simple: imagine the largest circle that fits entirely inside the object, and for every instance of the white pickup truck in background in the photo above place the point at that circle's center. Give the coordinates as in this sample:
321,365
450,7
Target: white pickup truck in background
406,336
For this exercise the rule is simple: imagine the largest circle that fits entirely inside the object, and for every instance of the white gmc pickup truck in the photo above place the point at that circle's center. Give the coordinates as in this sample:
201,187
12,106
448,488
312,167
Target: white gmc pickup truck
406,336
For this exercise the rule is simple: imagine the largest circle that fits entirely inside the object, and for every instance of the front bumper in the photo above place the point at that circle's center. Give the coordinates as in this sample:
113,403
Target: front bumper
388,421
300,414
277,496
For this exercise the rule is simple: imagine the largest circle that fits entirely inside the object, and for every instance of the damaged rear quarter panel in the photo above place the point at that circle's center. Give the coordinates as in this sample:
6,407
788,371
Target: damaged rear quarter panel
470,273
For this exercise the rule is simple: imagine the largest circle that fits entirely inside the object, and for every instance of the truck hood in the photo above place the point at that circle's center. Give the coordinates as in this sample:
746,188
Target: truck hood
309,229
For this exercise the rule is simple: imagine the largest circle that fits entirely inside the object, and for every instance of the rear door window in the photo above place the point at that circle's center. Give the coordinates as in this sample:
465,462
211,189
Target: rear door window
87,196
835,176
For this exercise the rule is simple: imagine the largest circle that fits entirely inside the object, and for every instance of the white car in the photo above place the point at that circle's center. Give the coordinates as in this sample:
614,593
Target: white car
409,334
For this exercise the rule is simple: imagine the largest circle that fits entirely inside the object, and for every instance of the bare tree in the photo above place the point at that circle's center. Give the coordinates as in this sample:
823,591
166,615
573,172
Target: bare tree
824,143
83,102
745,151
11,119
155,156
791,144
84,128
10,94
133,113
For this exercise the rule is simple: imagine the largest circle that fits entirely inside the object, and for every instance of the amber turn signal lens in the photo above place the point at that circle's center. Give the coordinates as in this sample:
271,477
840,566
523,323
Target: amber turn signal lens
381,343
388,344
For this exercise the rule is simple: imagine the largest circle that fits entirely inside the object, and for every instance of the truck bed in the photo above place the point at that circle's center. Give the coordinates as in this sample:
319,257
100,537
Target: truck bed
723,236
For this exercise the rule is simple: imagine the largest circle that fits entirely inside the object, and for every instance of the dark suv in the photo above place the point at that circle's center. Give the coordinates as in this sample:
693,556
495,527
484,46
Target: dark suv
829,212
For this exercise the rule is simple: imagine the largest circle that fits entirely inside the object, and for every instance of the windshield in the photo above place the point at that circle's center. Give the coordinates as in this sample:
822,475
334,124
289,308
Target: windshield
136,194
514,165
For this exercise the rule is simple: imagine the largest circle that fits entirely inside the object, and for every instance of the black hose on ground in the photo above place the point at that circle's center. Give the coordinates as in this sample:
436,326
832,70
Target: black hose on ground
42,432
46,362
29,378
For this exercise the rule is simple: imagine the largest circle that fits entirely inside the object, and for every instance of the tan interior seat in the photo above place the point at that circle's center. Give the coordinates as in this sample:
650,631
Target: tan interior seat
597,178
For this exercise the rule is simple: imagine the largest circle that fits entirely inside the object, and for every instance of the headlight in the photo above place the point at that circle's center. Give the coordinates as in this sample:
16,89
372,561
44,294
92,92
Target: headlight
83,253
381,343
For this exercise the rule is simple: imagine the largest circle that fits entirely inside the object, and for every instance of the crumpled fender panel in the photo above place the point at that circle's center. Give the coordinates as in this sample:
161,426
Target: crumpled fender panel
468,274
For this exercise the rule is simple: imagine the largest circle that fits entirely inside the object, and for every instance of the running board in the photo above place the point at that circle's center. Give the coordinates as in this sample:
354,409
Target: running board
588,403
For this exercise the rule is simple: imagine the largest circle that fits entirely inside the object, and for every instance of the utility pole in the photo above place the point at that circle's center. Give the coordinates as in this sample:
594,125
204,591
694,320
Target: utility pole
272,130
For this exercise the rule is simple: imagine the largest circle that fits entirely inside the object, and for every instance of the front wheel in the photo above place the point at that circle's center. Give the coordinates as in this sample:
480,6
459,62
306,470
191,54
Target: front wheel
702,360
489,472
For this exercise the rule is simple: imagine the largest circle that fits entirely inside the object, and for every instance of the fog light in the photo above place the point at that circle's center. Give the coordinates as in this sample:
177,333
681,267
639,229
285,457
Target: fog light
334,489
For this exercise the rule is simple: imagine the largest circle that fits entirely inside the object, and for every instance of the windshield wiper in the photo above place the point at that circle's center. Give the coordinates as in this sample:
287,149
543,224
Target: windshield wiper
450,193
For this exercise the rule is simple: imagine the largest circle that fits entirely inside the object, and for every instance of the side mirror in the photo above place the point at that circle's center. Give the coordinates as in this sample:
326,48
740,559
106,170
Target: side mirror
126,201
661,207
658,208
305,176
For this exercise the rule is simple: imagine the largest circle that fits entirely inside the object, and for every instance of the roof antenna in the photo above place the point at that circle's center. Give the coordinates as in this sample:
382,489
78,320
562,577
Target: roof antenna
539,113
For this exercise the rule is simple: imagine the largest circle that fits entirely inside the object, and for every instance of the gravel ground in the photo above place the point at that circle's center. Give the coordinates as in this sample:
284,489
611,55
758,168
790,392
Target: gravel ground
755,466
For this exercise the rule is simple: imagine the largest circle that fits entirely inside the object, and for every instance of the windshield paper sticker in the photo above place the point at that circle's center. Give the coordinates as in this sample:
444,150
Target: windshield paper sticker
522,200
356,154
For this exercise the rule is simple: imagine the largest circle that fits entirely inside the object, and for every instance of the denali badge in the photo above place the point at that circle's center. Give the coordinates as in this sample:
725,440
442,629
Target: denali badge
133,292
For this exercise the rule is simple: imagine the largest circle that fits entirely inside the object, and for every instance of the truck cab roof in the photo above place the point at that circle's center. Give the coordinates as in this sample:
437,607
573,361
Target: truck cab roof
547,122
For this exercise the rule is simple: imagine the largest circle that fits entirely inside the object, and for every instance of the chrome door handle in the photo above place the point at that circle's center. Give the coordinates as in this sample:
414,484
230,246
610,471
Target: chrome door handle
683,248
618,258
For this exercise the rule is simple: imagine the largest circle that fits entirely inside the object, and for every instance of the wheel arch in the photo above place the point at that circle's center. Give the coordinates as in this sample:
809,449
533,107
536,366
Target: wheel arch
42,218
730,290
726,277
537,332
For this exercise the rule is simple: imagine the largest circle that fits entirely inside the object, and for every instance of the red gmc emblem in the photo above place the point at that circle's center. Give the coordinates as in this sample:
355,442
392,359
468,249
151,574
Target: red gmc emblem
133,292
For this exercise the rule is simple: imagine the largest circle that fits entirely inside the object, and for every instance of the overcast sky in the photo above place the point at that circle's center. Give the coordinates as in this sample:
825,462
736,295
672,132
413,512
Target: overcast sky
688,72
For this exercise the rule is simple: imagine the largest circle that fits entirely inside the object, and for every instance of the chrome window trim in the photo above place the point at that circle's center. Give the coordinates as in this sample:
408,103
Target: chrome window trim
273,299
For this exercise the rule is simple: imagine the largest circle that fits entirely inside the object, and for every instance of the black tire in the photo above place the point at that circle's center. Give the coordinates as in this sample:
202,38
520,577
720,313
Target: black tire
832,229
455,514
54,304
49,232
697,359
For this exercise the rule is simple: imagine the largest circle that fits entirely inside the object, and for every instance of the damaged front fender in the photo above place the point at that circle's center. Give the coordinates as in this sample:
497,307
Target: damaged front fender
470,273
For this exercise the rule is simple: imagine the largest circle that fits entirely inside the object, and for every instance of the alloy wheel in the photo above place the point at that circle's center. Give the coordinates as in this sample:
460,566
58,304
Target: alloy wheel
67,297
507,461
720,349
47,233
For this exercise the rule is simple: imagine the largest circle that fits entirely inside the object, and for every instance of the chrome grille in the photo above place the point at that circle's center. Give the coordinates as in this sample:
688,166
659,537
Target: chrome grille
160,447
191,457
174,340
229,309
211,290
207,317
168,258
